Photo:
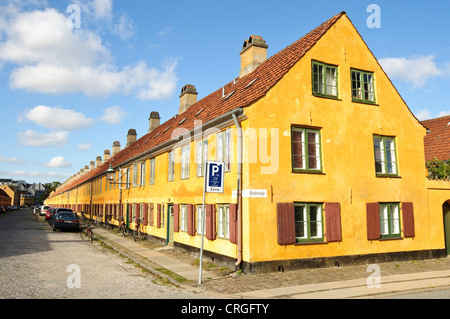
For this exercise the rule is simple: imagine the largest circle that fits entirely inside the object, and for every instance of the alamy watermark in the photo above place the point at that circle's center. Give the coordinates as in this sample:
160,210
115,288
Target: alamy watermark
74,279
374,19
374,280
74,19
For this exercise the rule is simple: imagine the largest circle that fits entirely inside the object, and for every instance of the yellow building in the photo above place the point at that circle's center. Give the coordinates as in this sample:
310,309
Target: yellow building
324,164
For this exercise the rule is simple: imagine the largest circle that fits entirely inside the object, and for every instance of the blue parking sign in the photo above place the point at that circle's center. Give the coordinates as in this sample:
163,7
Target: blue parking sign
214,177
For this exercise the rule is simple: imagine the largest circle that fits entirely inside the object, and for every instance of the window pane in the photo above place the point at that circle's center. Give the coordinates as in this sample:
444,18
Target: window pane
300,221
394,219
331,78
384,229
379,155
297,149
313,150
315,218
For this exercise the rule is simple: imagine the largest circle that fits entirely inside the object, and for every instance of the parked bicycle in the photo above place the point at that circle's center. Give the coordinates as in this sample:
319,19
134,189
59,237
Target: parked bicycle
86,233
138,233
123,228
107,224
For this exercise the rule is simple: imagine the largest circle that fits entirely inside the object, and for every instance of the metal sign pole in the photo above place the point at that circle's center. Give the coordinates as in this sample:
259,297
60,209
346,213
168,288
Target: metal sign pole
203,224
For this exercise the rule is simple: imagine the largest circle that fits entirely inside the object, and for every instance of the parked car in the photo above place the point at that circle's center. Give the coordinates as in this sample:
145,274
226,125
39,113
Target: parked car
44,210
66,219
49,215
2,210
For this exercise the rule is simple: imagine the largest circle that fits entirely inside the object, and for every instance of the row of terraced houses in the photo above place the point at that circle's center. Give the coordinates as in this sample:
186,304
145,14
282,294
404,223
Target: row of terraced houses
324,163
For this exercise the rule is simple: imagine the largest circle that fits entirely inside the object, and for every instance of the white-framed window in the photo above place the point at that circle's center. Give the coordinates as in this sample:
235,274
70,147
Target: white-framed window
223,140
199,219
171,166
185,161
202,156
385,155
152,171
142,174
308,222
223,221
135,174
183,217
306,150
389,220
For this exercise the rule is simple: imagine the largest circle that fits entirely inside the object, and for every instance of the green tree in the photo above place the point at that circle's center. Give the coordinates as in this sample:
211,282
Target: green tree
49,188
438,169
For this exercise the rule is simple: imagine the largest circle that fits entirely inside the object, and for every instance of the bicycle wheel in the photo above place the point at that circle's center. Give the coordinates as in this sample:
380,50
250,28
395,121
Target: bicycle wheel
91,235
84,235
125,231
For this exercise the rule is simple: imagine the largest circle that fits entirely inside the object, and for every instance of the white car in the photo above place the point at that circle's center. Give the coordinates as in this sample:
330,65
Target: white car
44,210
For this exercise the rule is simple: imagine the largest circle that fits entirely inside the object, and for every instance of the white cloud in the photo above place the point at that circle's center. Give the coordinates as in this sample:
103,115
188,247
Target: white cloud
51,58
443,113
84,146
423,115
37,174
11,160
58,118
415,70
58,161
124,28
32,138
113,115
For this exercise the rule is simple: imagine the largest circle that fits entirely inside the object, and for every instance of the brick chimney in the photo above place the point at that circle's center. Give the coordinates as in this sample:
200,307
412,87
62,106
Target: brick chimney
153,121
131,137
188,97
91,166
254,52
98,161
106,155
115,148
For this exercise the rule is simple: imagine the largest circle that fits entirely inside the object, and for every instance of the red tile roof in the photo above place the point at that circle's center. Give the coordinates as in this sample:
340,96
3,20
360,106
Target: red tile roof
240,92
437,140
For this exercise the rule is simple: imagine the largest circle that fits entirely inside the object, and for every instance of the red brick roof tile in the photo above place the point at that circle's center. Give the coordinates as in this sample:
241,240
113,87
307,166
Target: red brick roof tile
437,140
239,93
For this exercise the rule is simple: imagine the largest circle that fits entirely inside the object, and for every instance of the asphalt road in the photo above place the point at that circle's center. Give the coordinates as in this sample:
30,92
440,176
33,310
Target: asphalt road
38,263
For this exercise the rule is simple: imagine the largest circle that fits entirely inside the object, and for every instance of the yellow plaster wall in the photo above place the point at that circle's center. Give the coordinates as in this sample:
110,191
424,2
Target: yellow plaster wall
347,155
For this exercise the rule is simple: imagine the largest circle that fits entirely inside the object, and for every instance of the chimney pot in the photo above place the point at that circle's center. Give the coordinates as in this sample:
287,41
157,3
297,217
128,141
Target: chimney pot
116,148
106,155
98,161
254,52
188,96
154,121
131,137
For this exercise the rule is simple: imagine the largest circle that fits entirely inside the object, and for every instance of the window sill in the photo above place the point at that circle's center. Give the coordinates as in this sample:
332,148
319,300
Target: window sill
331,97
312,242
300,171
391,238
387,176
365,102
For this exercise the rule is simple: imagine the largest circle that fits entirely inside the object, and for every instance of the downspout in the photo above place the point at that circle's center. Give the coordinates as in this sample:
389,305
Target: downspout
239,193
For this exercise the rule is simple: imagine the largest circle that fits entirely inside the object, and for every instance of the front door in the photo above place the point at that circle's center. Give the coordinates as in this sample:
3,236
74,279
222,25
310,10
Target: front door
169,224
446,210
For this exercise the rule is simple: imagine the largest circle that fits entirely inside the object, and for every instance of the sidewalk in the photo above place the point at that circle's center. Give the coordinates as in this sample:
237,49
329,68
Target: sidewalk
323,283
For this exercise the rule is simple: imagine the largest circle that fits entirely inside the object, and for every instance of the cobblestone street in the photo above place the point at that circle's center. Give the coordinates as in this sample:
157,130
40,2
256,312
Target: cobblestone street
34,261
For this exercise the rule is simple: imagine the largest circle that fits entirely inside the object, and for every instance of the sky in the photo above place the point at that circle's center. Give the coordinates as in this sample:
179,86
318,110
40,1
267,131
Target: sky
76,75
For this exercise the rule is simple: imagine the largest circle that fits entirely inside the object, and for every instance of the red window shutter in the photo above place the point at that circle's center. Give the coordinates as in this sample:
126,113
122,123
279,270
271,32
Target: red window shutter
145,214
233,223
408,219
373,221
333,222
158,216
210,221
115,211
286,223
130,212
176,218
137,211
190,219
150,217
